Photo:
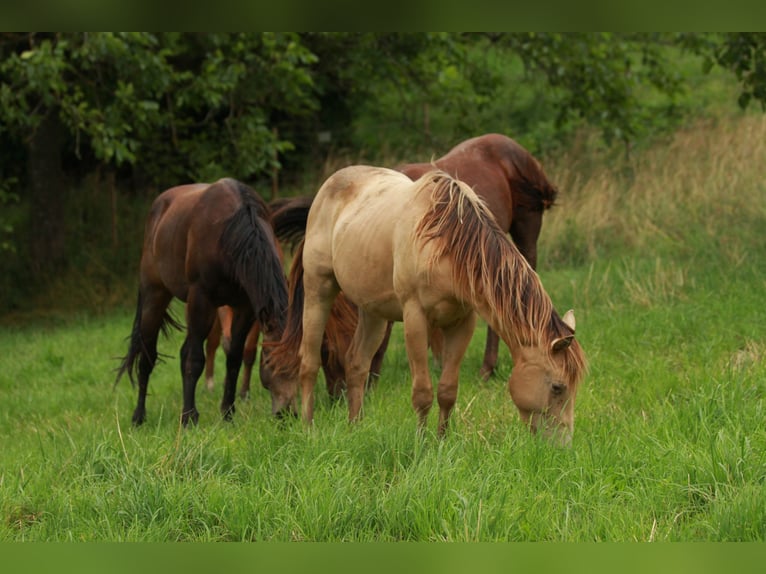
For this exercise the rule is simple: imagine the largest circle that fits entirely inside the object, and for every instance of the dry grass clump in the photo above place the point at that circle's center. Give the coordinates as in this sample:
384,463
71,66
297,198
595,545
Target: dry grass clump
704,183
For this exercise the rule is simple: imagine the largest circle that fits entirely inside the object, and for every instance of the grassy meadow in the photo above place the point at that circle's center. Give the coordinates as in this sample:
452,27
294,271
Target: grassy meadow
663,260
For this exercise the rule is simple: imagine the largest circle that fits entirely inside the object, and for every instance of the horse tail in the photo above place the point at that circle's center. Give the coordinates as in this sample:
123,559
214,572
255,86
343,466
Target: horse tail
253,257
289,219
137,346
283,358
530,186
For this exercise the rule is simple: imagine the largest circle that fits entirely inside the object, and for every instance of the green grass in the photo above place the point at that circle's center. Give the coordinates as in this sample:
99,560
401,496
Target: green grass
669,440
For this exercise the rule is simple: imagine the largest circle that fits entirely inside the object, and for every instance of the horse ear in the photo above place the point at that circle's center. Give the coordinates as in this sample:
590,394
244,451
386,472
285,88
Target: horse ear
569,319
561,343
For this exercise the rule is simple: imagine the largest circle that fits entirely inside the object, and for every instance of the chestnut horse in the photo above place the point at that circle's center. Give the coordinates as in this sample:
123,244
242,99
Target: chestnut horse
516,190
428,253
208,245
220,334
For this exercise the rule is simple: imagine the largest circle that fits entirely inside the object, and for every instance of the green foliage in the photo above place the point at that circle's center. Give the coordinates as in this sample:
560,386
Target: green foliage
153,110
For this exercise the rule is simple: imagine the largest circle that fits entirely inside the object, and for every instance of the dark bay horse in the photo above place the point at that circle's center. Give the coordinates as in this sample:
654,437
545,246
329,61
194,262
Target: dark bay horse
220,334
208,245
428,253
516,190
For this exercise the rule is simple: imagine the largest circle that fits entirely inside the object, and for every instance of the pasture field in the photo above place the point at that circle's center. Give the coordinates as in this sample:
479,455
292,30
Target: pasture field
665,265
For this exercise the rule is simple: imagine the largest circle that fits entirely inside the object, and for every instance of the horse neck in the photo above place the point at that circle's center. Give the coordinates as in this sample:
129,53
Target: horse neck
508,295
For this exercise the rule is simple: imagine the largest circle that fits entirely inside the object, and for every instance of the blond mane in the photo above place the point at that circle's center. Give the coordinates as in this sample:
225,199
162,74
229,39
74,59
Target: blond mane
488,267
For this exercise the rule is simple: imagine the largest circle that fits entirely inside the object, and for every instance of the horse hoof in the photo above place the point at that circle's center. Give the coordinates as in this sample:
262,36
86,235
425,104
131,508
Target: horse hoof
138,418
228,412
486,373
191,416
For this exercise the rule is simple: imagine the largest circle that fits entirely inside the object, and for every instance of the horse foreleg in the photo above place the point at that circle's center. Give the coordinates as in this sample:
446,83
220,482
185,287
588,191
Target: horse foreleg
456,340
248,359
240,328
369,334
416,343
490,355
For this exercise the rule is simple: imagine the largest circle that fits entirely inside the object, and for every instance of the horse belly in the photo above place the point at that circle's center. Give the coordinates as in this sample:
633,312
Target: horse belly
363,269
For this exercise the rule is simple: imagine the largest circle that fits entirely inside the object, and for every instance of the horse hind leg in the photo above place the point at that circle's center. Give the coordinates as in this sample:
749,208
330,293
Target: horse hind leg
319,294
248,359
211,348
369,335
489,362
150,316
200,316
377,359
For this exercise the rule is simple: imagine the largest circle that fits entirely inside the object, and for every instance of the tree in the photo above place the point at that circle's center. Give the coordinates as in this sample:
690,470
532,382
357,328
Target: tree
175,107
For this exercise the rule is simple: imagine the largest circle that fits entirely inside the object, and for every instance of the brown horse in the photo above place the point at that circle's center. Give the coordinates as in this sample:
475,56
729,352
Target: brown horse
428,253
220,334
208,245
516,190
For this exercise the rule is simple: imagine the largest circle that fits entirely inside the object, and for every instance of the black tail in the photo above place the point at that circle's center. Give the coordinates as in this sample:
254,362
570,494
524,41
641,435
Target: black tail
254,260
137,347
289,220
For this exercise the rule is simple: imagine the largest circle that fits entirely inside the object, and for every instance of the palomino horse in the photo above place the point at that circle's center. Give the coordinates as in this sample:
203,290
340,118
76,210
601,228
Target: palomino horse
516,190
428,253
208,245
504,174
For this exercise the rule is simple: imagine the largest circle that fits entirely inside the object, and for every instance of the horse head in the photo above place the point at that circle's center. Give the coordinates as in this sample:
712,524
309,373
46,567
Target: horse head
543,384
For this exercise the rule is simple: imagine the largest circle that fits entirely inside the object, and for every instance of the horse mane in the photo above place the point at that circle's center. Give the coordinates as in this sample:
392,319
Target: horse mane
526,177
488,266
253,256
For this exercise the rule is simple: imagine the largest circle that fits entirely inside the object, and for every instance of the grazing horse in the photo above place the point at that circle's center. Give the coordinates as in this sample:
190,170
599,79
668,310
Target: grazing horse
208,245
428,253
220,334
516,190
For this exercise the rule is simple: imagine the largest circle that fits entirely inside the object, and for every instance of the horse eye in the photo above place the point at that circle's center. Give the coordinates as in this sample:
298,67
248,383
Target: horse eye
558,388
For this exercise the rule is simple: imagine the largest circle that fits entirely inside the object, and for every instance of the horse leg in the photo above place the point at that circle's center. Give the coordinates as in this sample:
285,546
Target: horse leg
436,341
153,303
377,359
211,347
200,316
248,359
319,294
242,321
369,334
456,340
490,355
416,343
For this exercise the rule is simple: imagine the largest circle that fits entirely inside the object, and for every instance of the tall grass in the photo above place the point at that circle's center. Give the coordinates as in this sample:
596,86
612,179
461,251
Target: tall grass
664,265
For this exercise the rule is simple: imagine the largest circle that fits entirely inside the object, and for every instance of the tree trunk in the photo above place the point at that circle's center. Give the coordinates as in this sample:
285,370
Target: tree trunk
47,197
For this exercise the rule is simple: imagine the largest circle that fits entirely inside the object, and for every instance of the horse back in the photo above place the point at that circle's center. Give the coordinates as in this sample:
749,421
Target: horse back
351,231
